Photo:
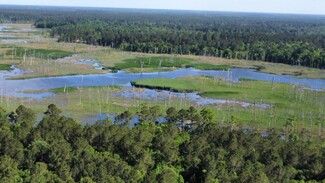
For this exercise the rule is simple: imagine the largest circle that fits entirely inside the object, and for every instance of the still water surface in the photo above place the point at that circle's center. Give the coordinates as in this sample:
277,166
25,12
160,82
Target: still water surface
15,87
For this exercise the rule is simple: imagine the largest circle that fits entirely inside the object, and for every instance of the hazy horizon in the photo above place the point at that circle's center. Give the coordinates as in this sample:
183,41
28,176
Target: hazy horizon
254,6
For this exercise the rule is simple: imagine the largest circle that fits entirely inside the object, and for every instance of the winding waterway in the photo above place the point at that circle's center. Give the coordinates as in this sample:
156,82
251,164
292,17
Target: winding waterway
15,87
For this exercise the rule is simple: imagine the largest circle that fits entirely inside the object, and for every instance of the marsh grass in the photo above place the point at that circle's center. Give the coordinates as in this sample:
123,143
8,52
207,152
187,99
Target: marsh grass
64,90
285,99
40,53
152,62
158,63
5,67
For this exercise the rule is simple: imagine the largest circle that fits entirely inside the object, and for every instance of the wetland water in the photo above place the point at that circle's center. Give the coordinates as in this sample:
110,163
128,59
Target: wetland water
3,27
15,87
6,38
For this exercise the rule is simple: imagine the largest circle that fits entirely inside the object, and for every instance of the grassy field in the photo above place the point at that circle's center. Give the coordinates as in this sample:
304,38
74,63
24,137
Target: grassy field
64,90
40,53
286,100
5,67
158,63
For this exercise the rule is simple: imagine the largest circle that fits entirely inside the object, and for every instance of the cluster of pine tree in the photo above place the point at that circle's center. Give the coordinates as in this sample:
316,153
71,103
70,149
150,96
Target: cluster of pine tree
189,147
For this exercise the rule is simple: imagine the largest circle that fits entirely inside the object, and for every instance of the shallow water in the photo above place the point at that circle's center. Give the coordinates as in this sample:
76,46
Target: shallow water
196,99
4,74
11,87
96,64
14,41
90,120
2,27
8,38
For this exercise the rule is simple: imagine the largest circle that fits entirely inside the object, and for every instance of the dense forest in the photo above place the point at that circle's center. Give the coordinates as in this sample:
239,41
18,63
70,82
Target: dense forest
290,39
189,147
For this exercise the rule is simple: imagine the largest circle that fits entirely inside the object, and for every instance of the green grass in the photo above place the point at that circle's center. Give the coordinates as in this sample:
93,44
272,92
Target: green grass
5,67
163,63
5,46
247,79
204,66
39,53
152,62
64,90
285,99
74,89
246,90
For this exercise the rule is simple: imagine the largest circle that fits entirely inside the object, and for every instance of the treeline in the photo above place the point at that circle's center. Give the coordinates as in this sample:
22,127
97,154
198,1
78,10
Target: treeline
271,39
225,43
189,147
289,39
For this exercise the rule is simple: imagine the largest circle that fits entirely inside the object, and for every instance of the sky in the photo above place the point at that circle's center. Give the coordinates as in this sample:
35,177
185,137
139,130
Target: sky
267,6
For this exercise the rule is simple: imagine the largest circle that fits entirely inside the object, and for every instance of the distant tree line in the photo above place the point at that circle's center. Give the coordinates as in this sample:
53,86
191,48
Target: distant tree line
189,147
150,39
289,39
